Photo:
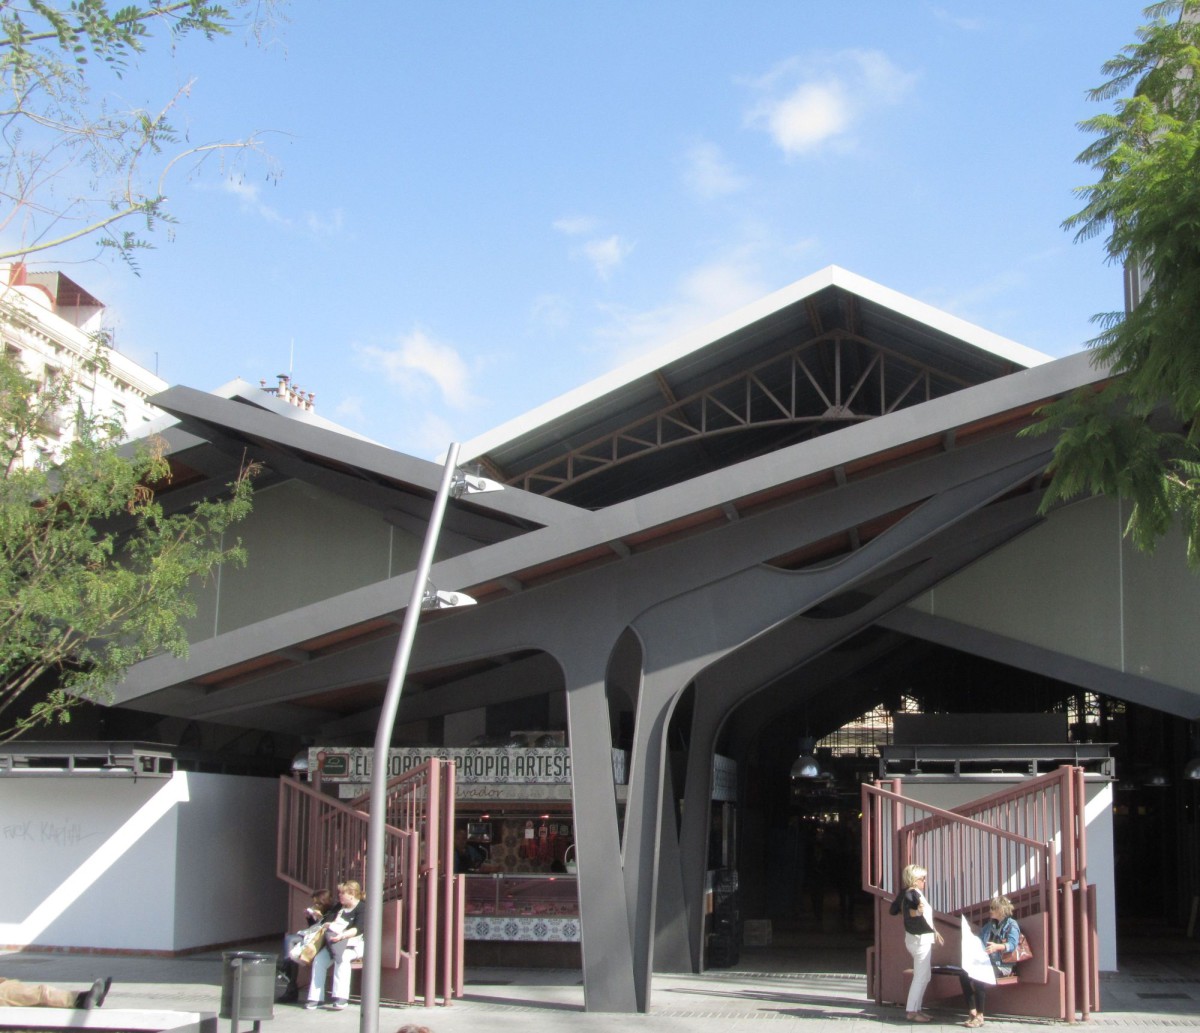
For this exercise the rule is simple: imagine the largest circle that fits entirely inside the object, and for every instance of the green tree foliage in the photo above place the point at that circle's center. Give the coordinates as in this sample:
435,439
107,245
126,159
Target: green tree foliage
94,574
74,167
1139,438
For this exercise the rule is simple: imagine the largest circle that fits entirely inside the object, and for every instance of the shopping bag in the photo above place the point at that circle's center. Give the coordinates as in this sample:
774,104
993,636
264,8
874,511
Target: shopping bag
313,941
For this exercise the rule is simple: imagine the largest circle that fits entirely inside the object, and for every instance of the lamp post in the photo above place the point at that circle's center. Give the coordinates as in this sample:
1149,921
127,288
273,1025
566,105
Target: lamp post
454,483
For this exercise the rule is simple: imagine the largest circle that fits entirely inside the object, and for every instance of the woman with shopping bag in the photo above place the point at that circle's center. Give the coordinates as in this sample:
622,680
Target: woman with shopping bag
343,945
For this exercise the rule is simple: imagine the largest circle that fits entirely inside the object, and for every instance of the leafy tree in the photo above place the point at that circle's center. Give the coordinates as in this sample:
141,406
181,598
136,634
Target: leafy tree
94,574
72,167
1138,438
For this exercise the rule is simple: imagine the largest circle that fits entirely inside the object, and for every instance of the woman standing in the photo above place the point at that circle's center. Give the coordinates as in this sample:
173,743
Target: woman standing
1000,935
919,937
343,944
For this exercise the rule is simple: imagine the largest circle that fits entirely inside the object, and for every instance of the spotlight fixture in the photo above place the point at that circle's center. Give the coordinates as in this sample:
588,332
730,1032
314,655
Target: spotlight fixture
805,765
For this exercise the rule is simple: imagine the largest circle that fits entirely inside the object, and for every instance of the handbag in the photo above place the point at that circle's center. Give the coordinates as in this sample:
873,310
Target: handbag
1022,953
313,941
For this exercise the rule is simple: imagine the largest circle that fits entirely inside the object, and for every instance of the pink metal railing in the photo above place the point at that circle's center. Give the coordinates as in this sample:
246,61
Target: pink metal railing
322,841
968,860
1028,841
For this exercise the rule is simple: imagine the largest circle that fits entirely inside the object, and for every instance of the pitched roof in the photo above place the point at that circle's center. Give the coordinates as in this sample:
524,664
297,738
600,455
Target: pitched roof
830,350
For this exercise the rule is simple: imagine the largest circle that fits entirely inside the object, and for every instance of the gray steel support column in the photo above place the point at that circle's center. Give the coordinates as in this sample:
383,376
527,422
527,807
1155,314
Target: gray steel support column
761,675
644,813
608,979
707,716
684,634
671,952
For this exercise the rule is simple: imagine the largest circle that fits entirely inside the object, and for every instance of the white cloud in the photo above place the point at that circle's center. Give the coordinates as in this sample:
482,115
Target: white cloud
551,312
956,20
807,117
417,362
250,196
324,225
702,294
819,101
968,300
709,175
430,437
351,409
575,225
606,254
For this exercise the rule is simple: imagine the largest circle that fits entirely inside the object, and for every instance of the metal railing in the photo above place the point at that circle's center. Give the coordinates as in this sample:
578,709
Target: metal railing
1028,842
322,841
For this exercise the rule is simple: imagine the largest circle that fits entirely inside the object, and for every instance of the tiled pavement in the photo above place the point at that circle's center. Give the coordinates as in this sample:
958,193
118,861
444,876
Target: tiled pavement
1157,988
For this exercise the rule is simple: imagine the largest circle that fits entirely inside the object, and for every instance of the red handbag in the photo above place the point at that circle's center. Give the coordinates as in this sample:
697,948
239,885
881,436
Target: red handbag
1022,953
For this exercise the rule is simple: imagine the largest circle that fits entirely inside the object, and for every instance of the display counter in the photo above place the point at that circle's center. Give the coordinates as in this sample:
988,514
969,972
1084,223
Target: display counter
527,908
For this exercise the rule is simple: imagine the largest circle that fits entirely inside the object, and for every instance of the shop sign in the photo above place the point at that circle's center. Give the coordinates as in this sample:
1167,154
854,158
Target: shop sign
473,765
484,792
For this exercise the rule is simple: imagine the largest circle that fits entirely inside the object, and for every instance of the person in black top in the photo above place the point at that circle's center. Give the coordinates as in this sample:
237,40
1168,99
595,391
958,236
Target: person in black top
919,937
323,908
343,945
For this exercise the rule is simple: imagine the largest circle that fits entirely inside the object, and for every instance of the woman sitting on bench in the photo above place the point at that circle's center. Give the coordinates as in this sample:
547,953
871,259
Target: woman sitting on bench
1000,935
343,946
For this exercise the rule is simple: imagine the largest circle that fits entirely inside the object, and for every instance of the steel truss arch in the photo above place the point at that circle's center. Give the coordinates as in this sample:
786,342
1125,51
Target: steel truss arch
837,377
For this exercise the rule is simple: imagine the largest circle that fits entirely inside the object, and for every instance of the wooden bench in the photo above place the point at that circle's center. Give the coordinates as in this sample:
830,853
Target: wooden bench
390,956
953,970
1034,988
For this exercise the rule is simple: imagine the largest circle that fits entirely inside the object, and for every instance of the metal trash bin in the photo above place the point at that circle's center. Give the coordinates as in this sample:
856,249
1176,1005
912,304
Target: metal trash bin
247,986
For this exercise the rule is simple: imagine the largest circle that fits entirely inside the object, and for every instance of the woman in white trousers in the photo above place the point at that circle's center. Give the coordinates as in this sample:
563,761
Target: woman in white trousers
343,945
919,938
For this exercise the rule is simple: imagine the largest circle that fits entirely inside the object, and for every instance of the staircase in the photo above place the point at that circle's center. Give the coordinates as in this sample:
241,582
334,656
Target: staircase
1028,842
323,841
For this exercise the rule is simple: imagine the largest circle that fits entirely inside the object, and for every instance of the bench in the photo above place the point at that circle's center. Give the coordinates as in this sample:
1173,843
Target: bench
390,956
1034,989
135,1020
954,970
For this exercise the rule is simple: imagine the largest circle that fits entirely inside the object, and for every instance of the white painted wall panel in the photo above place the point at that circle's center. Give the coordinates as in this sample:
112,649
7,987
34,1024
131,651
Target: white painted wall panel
225,884
88,861
151,865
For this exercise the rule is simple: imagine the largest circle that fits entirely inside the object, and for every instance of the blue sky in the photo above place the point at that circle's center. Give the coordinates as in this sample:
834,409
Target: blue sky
481,205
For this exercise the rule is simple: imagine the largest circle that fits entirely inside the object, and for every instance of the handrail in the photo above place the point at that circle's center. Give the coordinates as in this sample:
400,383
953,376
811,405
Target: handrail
322,840
968,859
1028,841
411,802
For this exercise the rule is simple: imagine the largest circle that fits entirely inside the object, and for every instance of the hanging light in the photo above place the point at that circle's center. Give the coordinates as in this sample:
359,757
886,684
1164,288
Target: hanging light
1156,778
806,765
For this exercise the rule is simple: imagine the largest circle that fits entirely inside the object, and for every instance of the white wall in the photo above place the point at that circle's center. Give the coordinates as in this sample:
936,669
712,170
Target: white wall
153,864
225,884
1100,846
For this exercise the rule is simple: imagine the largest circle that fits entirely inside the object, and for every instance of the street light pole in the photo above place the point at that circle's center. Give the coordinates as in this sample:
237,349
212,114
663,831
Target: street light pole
373,934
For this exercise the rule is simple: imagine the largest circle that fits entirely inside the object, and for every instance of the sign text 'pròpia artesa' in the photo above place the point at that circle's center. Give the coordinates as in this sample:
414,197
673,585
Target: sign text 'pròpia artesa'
515,766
